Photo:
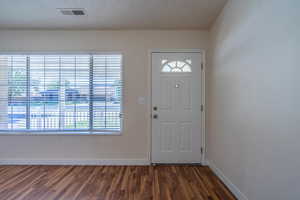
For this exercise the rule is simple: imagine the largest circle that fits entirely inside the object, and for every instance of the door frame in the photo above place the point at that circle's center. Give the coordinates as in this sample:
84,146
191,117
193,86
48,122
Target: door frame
203,92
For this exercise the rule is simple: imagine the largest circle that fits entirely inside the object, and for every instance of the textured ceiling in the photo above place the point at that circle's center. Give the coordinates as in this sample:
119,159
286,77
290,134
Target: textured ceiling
110,14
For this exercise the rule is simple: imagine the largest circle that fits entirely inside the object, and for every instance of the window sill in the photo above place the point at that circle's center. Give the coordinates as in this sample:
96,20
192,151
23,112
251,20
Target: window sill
74,133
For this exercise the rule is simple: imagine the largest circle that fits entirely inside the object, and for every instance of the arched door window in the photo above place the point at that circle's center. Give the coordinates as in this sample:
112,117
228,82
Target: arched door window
176,66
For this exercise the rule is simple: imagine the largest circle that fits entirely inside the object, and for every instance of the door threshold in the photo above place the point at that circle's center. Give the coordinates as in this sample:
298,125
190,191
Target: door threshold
177,164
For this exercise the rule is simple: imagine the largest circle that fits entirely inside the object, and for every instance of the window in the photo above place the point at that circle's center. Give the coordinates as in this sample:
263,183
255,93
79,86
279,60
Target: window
60,93
176,66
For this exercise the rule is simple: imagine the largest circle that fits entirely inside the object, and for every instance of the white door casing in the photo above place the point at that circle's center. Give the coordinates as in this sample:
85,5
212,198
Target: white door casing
176,108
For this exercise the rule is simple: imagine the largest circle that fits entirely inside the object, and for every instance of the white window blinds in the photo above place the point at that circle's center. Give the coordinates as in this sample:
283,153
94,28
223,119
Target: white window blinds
60,93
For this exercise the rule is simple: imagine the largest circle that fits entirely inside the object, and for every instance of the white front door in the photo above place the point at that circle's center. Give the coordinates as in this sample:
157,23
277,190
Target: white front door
176,108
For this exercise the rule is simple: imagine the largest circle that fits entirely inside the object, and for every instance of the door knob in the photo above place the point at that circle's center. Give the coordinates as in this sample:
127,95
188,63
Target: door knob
155,116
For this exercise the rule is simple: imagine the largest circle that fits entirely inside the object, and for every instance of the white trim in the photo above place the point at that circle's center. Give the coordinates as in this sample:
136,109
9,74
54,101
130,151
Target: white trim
100,162
63,133
205,163
177,51
233,188
203,95
59,52
149,101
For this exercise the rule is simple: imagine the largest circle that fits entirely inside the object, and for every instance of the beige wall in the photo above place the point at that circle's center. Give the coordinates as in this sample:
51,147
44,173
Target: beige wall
135,45
254,98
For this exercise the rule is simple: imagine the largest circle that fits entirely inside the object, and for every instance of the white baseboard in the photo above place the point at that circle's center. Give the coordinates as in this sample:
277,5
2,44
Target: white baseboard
233,188
76,162
205,163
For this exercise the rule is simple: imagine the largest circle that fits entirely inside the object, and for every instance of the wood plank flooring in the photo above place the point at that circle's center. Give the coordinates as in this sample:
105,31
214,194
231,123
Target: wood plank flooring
162,182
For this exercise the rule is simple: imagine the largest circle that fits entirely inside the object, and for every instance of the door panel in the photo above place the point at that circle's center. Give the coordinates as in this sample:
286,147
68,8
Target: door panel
176,93
184,93
166,99
185,137
167,132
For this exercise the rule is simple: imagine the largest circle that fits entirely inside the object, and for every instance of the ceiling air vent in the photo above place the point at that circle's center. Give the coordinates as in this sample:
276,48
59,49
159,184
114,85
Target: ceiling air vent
72,11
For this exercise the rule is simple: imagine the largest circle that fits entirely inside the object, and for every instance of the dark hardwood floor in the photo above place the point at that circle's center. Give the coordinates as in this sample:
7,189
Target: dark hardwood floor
110,183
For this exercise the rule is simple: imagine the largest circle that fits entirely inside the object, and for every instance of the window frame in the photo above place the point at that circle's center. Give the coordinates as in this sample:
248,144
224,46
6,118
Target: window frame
72,132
